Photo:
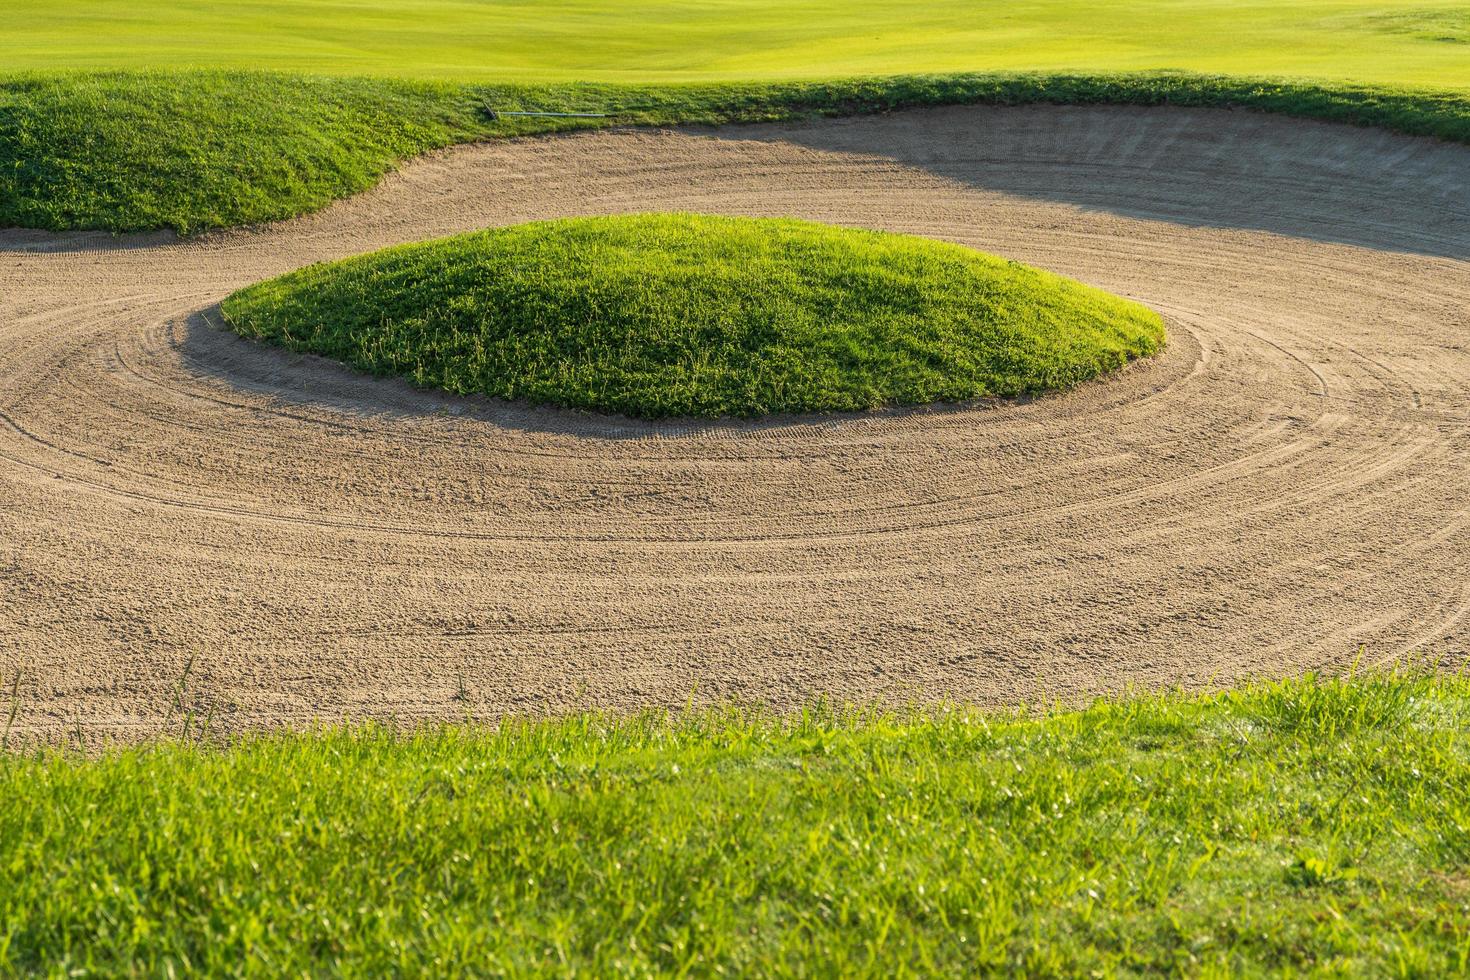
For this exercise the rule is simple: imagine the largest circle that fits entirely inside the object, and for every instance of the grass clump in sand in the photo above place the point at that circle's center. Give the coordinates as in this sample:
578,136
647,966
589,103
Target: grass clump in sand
691,315
1308,827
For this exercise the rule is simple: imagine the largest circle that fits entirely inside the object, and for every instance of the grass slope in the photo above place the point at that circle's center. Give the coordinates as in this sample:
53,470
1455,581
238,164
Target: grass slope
134,151
1423,43
143,151
659,315
1311,825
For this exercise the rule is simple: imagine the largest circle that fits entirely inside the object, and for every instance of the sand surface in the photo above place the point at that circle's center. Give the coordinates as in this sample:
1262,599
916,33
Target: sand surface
1287,486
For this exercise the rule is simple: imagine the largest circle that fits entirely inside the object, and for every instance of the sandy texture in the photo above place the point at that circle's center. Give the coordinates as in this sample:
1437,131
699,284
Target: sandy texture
1288,483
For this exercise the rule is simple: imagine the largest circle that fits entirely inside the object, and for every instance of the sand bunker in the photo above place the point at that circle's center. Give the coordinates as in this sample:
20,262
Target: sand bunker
1289,482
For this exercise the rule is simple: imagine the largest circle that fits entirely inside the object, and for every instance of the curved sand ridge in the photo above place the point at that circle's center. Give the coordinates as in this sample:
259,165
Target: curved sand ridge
1289,482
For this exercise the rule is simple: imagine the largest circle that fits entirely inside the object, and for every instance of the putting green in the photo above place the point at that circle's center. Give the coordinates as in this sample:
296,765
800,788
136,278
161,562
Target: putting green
1422,43
690,315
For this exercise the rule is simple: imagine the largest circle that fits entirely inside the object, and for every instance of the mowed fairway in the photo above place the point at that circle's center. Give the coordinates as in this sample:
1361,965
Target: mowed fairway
1423,43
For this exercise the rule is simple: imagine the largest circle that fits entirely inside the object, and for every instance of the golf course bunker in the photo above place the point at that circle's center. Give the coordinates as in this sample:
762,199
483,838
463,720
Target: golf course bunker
692,315
1282,487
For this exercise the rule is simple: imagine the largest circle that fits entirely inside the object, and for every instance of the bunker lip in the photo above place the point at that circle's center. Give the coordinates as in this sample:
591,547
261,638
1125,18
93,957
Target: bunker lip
687,315
1280,490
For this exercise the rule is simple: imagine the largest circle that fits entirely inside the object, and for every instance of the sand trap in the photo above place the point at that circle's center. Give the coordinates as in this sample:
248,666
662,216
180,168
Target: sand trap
1288,483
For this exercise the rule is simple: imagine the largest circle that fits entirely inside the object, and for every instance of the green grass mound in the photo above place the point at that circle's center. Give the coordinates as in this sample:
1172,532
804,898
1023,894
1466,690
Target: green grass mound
690,315
191,150
1314,827
136,151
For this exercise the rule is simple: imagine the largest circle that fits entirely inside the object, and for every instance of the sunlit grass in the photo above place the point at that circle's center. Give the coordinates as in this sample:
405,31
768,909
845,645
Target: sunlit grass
131,151
1376,42
1310,825
657,315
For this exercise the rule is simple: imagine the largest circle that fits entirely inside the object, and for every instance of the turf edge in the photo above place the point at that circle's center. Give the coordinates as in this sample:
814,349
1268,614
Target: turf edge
195,150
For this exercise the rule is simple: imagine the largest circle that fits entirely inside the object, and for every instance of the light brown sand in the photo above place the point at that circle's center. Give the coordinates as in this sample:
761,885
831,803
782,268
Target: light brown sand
1288,483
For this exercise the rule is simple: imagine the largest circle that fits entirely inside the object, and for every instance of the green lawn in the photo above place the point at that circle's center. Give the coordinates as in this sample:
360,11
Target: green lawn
217,114
1424,43
1311,825
189,150
660,315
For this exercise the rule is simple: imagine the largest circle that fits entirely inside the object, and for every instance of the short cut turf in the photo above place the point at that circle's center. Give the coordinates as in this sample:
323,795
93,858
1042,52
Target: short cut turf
692,315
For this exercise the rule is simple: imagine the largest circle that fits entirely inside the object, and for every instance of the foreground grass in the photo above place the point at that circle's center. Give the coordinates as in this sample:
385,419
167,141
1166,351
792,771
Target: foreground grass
1419,43
658,315
192,150
1312,825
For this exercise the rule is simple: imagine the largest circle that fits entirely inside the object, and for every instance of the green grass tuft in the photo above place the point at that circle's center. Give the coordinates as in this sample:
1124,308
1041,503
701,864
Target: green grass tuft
662,315
1309,825
193,150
